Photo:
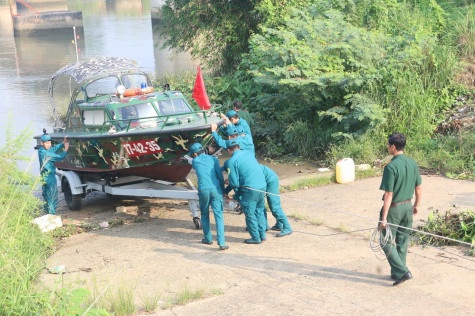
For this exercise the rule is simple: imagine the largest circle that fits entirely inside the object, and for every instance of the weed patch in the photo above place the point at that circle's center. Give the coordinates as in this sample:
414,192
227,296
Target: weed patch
188,295
150,303
459,226
309,183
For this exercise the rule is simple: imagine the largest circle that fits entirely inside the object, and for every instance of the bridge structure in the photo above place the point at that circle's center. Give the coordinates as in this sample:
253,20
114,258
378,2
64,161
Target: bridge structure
28,20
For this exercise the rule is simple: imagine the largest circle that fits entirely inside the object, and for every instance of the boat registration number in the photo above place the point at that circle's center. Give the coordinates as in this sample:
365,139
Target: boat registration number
141,147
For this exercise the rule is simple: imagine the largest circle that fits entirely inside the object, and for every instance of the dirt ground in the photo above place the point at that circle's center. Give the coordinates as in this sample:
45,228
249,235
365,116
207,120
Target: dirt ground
324,268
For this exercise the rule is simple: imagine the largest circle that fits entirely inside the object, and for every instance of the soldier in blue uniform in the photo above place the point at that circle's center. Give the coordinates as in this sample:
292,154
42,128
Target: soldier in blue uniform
241,125
47,156
245,174
245,141
273,199
210,192
232,118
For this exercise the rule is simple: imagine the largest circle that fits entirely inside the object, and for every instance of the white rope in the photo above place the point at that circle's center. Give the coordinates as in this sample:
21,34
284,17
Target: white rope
363,217
378,241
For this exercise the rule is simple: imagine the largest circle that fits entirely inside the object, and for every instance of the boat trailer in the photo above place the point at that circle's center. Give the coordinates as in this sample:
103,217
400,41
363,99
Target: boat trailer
76,186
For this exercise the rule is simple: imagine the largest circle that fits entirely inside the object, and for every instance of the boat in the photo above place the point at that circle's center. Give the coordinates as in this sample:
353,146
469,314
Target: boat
119,125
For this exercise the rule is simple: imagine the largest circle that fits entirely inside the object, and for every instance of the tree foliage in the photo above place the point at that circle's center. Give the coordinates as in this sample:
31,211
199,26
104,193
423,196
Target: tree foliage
344,67
321,72
217,31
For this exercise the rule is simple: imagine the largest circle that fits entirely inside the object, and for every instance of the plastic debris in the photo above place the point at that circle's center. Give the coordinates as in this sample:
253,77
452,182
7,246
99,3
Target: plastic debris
57,270
323,169
48,222
103,224
363,166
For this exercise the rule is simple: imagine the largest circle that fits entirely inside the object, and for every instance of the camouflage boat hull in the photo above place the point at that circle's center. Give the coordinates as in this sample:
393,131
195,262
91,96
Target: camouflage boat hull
152,154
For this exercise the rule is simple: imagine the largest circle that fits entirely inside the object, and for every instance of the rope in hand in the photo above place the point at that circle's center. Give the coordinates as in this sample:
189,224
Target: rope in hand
378,241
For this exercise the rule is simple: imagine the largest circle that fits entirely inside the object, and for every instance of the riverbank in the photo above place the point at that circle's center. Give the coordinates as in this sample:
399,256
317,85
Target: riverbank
324,267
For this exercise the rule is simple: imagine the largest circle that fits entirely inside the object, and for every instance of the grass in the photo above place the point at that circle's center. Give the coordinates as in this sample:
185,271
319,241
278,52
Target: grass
363,174
297,216
23,247
66,231
121,301
150,303
311,220
188,295
308,183
341,228
215,291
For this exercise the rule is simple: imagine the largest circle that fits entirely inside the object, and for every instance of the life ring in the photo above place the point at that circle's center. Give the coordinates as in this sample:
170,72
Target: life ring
132,92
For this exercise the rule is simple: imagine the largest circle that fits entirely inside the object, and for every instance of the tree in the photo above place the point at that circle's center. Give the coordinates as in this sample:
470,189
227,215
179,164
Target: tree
217,32
214,31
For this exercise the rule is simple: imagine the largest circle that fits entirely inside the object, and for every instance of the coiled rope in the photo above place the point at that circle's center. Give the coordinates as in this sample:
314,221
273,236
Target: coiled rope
378,241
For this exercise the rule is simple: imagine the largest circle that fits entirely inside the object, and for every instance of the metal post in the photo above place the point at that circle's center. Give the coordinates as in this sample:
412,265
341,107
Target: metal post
76,44
13,8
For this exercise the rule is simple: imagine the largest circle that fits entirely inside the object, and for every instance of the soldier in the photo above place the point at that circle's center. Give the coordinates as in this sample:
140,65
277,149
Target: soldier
273,199
245,174
243,114
245,141
400,179
233,118
47,156
210,192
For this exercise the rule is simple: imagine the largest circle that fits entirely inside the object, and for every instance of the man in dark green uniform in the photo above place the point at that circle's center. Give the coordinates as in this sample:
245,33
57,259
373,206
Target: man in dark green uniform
400,179
237,106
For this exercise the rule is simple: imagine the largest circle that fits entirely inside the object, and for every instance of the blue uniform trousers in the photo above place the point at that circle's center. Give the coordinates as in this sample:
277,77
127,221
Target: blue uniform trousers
253,206
50,194
274,205
214,198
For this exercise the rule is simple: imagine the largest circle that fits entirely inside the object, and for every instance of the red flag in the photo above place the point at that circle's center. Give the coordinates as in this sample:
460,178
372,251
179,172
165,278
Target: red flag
199,92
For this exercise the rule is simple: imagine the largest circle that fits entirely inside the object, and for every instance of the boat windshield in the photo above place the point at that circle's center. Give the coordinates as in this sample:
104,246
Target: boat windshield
136,111
133,81
103,86
172,106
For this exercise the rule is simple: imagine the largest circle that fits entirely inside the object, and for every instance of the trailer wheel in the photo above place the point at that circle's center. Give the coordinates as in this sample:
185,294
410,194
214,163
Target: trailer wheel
73,200
197,222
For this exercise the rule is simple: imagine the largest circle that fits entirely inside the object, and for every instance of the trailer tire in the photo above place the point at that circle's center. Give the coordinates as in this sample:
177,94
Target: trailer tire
72,200
197,222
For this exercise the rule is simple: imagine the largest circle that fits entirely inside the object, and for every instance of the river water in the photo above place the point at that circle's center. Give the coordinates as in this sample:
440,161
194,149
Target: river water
111,28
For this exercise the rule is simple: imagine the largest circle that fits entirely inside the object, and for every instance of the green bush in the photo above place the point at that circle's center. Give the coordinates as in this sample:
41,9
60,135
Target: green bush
340,76
365,149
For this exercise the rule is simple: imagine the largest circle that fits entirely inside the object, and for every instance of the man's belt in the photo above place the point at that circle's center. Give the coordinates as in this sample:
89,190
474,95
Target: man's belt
399,203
